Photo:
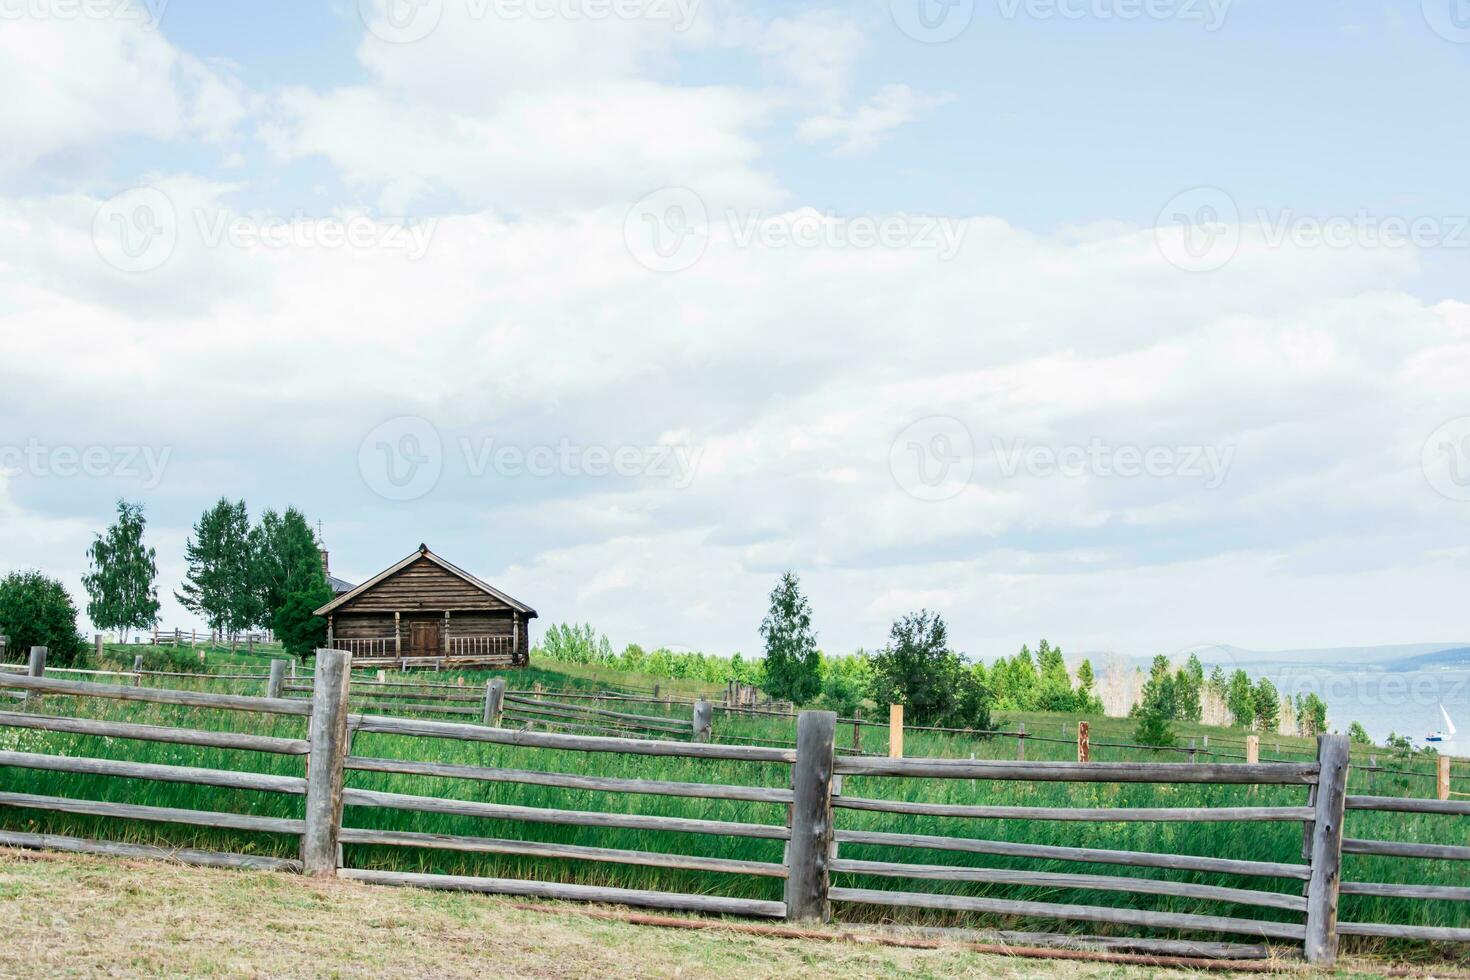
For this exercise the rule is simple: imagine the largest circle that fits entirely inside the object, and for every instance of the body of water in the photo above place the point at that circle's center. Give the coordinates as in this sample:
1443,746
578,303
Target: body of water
1384,702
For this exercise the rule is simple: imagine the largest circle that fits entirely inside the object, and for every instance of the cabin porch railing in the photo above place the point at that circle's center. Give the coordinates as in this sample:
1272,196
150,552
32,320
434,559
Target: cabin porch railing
481,646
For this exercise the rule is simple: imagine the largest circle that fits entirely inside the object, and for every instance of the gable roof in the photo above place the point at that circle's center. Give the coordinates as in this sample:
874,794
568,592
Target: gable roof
338,585
452,569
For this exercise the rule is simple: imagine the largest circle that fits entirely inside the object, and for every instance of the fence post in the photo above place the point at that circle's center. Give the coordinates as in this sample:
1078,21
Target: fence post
37,669
494,701
1332,760
97,647
277,679
138,670
703,717
1193,751
1084,742
1443,782
324,775
809,853
1021,742
857,731
895,731
1252,749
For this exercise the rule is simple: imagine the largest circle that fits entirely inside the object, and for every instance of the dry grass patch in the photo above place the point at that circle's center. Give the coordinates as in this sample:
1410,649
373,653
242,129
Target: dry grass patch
69,915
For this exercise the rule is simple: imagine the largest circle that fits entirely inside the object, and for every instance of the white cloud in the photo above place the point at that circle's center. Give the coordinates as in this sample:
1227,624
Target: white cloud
70,82
861,129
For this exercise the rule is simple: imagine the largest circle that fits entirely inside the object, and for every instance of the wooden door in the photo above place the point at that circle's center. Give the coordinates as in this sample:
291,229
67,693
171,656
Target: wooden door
423,640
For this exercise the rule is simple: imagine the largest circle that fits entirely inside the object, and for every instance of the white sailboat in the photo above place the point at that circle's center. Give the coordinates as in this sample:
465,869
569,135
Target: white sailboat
1449,726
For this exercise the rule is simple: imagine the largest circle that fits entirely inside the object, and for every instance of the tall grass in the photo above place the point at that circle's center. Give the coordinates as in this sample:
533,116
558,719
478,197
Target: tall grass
1263,842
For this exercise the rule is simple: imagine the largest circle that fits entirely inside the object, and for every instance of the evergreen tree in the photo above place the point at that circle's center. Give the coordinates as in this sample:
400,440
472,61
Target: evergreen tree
219,584
1087,699
121,579
1156,708
1268,706
285,560
1240,699
1054,684
1189,684
296,624
793,663
1218,685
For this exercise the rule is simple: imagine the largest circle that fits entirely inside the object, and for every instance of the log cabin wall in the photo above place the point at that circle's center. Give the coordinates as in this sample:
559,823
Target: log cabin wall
411,605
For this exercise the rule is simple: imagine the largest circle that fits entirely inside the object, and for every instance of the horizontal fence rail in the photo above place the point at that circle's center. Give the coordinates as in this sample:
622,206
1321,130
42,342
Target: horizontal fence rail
838,842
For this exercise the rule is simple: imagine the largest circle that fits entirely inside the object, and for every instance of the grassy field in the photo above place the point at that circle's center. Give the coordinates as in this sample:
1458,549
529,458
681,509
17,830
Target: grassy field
70,916
1268,842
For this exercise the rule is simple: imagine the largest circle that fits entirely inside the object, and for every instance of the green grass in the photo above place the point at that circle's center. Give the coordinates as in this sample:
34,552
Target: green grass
1265,842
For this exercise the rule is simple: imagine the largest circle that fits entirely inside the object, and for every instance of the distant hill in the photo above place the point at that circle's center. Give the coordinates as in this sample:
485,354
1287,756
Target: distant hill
1396,657
1390,657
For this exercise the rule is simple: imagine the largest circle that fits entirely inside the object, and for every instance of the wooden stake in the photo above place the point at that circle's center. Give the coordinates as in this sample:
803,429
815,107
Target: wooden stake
276,680
1084,742
809,852
494,701
1443,782
1321,943
324,774
895,731
703,717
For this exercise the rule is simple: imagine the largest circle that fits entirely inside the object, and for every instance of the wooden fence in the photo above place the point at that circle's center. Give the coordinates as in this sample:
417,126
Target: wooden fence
813,831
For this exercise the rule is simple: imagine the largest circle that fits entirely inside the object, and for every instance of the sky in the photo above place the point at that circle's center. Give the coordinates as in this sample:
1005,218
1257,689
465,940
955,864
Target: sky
1140,325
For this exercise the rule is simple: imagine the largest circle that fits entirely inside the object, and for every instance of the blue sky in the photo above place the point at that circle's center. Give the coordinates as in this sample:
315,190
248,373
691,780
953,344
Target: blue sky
906,423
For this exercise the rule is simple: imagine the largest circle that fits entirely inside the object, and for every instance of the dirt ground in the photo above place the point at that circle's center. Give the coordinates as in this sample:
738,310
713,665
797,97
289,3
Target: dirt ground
70,915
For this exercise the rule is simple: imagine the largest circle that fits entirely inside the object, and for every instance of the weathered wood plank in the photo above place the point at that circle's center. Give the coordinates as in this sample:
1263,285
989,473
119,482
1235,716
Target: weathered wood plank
156,695
1118,944
1282,773
182,855
1089,814
1405,804
490,845
160,814
1443,934
1089,855
526,707
576,743
1333,758
575,893
325,778
155,733
604,784
227,778
575,818
1385,848
1073,913
1050,879
810,850
1447,893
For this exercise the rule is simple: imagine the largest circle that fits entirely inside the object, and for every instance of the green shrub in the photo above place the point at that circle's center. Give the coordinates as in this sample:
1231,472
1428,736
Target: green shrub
36,611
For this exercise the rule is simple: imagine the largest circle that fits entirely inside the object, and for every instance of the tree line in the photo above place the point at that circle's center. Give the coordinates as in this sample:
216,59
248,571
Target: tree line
241,576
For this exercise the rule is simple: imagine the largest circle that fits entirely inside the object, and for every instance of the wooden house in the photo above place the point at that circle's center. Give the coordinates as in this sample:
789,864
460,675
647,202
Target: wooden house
424,611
